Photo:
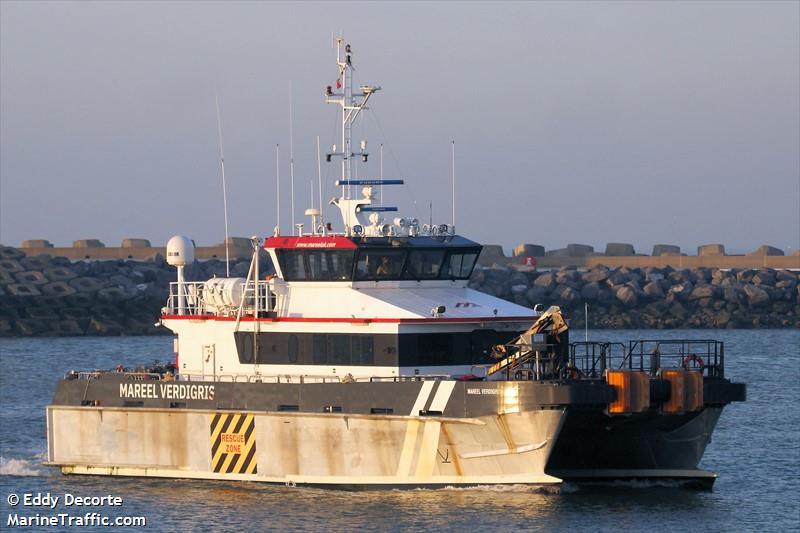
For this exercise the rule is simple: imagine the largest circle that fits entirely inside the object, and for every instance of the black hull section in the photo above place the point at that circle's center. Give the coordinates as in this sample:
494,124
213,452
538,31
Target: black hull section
593,446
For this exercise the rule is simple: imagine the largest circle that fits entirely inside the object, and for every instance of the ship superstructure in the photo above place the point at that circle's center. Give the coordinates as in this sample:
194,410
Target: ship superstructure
362,358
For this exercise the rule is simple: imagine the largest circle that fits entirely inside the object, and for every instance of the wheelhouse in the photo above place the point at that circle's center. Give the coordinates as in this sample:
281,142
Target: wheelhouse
374,258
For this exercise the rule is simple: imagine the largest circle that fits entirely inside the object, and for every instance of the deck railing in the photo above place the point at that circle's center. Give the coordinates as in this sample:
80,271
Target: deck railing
651,356
256,298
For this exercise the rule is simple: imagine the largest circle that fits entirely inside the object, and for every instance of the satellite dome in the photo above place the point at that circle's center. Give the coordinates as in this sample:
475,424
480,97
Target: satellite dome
180,251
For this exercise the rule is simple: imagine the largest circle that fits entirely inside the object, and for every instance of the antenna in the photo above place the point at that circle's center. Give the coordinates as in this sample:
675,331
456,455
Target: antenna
453,167
224,185
278,187
319,187
291,153
586,321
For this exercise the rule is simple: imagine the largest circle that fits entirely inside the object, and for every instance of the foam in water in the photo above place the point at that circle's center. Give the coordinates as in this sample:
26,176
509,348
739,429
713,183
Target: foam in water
20,467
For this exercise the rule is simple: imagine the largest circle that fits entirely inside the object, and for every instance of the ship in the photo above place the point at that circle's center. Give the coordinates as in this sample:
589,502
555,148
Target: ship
361,358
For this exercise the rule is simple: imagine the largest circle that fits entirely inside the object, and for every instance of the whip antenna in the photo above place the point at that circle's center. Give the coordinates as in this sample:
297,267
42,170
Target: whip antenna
291,154
319,187
453,167
278,187
224,186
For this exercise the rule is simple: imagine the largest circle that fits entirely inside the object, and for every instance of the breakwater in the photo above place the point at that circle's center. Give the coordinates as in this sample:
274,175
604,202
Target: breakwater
43,295
661,298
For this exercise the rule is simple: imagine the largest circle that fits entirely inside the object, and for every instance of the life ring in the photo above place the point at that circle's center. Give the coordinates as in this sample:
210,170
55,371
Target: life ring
698,362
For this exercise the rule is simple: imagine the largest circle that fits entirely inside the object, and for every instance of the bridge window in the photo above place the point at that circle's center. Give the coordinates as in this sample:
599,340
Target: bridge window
316,265
329,265
459,265
380,264
424,264
293,265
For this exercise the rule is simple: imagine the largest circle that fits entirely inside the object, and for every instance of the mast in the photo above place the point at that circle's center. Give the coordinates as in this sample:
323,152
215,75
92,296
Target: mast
352,102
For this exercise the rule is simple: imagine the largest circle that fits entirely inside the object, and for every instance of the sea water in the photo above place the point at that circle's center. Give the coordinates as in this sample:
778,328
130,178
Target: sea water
755,450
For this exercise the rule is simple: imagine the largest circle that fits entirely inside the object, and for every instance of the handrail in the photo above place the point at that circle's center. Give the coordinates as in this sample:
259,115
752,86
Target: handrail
252,292
649,355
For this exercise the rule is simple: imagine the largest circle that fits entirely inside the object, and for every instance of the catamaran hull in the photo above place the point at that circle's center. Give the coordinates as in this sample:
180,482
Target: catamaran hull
305,449
650,446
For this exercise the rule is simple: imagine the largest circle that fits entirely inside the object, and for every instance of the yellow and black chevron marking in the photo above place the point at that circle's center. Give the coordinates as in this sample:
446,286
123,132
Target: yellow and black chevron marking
233,444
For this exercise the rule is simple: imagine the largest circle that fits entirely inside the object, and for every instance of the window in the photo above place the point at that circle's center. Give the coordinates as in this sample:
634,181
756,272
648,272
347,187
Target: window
329,265
424,264
339,349
317,265
293,348
320,349
459,265
380,264
363,349
293,265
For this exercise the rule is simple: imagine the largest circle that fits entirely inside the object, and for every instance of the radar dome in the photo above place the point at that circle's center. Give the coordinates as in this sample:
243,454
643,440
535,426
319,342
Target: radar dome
180,251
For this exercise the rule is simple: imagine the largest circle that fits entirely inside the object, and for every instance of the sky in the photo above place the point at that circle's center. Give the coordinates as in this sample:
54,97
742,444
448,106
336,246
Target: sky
644,123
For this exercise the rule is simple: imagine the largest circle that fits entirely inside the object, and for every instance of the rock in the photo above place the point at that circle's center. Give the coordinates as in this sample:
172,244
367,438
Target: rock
104,328
711,249
580,250
546,281
626,295
518,278
702,291
786,275
653,290
681,291
28,327
596,275
11,266
666,249
9,252
718,276
763,277
705,302
566,296
617,277
619,249
701,274
519,289
677,310
536,295
37,262
590,292
756,296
